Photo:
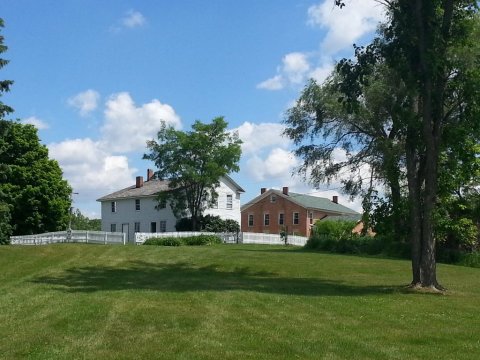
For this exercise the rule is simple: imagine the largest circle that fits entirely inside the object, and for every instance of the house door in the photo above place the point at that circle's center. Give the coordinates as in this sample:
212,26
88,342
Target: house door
126,232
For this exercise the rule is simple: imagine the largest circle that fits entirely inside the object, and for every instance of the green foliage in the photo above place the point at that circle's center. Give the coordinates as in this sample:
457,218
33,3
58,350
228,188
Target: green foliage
193,162
201,240
163,241
82,222
37,195
5,209
189,240
338,229
4,84
209,223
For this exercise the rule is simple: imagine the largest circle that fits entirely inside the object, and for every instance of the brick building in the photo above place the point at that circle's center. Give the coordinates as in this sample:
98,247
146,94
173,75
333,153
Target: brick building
274,210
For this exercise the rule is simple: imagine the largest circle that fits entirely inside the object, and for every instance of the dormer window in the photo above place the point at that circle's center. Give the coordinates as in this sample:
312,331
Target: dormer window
273,198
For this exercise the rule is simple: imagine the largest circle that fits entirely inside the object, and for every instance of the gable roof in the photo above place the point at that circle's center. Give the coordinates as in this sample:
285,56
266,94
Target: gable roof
306,201
150,188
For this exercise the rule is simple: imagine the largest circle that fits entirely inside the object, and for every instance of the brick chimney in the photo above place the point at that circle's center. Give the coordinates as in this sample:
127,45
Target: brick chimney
139,182
335,199
262,190
285,190
150,174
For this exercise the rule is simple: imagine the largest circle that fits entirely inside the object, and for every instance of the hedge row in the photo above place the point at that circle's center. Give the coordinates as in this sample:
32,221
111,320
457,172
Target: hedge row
179,241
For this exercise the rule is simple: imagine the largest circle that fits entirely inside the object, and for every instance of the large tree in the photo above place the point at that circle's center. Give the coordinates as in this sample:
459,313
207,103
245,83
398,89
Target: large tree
33,186
430,49
193,162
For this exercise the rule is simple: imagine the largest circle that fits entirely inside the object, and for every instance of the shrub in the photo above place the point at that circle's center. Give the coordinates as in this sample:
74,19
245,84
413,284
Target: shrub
189,241
201,240
166,241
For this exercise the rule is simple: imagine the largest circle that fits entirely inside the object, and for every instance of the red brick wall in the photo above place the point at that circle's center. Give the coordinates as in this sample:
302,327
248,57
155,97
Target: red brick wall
281,205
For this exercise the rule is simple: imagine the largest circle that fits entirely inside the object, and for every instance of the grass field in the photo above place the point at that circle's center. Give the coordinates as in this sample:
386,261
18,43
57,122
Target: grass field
77,301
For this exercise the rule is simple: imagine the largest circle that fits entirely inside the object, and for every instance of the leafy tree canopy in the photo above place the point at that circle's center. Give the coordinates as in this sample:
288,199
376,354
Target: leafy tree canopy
33,187
193,162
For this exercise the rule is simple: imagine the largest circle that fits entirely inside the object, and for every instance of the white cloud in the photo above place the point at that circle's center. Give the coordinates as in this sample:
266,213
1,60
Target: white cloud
274,83
293,71
38,123
85,102
128,127
133,19
90,169
347,25
343,28
256,137
295,67
276,167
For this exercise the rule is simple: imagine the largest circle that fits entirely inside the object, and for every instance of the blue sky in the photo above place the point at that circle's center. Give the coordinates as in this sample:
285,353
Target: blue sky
96,78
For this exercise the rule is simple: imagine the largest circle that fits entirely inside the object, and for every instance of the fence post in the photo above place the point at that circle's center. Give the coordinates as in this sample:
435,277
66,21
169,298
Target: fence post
105,239
124,237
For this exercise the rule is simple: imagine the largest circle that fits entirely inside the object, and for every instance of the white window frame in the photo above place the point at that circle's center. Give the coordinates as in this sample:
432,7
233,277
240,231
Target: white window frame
281,216
113,206
229,202
250,224
266,219
137,204
297,220
113,227
136,226
273,198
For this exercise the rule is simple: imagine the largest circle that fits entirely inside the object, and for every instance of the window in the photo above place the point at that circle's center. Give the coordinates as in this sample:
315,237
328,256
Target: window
162,204
229,202
113,227
273,198
137,227
296,217
250,220
310,217
281,219
114,206
153,227
163,226
137,204
266,219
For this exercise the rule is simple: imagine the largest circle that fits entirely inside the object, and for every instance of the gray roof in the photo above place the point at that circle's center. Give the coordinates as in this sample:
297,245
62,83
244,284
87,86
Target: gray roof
306,201
150,188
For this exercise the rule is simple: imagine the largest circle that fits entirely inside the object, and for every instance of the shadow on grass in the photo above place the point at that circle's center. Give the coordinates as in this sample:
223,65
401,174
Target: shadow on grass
184,277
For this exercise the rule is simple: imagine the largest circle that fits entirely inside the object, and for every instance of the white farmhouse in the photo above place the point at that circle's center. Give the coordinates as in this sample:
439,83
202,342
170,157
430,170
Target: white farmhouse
135,208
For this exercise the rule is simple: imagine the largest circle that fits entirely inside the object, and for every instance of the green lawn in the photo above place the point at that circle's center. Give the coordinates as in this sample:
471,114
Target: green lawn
77,301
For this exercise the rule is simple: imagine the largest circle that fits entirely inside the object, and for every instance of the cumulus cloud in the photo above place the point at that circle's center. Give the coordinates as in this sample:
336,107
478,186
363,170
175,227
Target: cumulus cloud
347,25
274,83
277,165
294,70
90,169
127,126
38,123
343,28
85,102
257,137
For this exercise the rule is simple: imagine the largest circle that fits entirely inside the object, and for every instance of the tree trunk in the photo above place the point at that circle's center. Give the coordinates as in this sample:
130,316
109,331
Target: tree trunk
415,219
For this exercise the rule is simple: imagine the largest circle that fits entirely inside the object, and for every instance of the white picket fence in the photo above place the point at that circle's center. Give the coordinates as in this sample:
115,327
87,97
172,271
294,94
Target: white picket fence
92,237
140,238
272,239
230,238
